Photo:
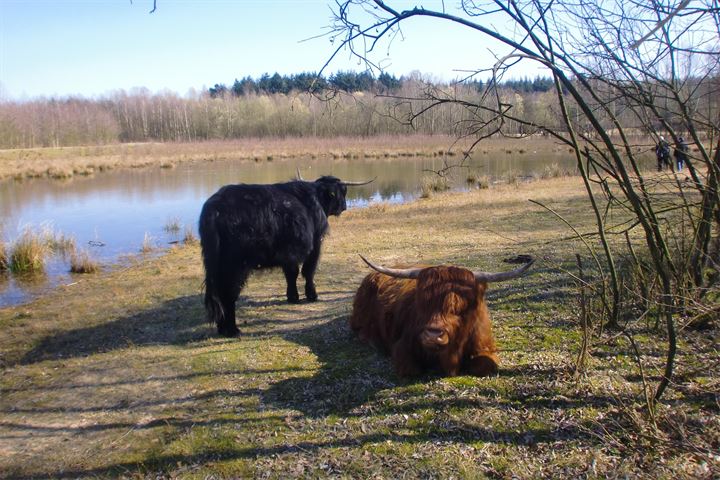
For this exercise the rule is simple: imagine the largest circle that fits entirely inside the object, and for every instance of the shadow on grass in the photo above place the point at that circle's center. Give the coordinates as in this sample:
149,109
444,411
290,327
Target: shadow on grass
158,464
177,422
351,372
177,321
353,381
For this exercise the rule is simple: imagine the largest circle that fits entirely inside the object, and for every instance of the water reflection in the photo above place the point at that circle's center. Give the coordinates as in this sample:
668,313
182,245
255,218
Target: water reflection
118,209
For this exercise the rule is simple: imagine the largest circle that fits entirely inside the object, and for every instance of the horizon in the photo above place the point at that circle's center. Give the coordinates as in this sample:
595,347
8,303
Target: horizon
92,49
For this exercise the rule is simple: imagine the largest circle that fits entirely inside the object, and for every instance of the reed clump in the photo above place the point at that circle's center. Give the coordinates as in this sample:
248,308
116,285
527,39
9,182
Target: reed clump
512,177
58,242
29,252
430,184
84,171
148,244
483,182
4,265
172,226
190,238
59,173
81,262
553,171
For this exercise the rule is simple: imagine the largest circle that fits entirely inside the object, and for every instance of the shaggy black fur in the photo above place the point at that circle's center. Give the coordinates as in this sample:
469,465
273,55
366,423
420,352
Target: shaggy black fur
247,227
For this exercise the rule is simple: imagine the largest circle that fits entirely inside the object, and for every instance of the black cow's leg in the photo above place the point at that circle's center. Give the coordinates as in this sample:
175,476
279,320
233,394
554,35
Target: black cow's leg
291,271
227,326
308,272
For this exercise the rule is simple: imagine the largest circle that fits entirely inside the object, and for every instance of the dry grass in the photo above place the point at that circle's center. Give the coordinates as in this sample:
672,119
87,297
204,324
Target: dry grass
4,261
58,242
29,252
553,171
82,262
432,183
512,177
148,244
189,238
120,376
63,163
172,226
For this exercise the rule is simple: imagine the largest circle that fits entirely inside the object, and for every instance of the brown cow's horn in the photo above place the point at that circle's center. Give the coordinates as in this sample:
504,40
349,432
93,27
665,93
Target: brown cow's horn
502,276
394,272
355,184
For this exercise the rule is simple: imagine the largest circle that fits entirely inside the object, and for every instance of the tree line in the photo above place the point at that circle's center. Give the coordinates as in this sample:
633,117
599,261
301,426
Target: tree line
306,105
351,82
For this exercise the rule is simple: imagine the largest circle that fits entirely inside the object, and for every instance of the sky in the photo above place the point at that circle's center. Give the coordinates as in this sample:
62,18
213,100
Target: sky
90,48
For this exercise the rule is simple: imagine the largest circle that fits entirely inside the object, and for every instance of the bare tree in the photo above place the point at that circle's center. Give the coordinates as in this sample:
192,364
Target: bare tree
624,71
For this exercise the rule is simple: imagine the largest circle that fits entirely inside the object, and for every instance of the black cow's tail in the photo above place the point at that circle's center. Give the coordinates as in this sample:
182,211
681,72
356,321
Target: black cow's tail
210,243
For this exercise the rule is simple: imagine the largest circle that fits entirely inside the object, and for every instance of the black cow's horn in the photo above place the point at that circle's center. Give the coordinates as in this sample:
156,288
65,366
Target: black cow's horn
297,174
395,272
355,184
502,276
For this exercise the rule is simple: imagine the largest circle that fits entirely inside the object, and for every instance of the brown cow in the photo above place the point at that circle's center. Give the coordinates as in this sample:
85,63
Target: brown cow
429,318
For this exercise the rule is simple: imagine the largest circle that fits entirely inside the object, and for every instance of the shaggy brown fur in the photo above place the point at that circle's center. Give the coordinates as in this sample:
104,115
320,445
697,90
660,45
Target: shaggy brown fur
439,321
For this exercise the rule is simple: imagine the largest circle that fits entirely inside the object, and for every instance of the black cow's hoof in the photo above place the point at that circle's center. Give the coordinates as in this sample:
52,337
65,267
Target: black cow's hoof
311,294
293,300
229,332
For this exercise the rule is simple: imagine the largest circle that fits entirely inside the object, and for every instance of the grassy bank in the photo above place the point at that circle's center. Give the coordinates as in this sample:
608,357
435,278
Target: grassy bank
118,375
67,162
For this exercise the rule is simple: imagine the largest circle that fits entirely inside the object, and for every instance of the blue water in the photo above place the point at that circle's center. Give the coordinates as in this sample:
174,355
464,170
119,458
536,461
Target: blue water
117,209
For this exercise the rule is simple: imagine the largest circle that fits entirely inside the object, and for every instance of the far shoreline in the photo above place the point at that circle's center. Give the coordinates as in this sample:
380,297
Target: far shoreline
67,162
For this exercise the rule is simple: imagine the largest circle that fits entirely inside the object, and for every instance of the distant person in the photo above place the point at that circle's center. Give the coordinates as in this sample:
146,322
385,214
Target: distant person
681,156
662,152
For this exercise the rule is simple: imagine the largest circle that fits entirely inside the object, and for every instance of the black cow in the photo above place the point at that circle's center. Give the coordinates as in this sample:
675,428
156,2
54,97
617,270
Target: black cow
248,227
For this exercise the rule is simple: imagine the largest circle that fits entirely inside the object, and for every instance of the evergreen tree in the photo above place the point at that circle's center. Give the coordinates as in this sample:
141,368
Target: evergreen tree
277,84
219,90
388,82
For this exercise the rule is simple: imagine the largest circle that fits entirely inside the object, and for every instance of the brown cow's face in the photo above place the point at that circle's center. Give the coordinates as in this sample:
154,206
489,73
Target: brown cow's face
437,333
445,297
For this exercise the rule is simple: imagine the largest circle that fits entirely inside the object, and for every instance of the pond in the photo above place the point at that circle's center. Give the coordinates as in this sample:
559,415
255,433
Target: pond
114,214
